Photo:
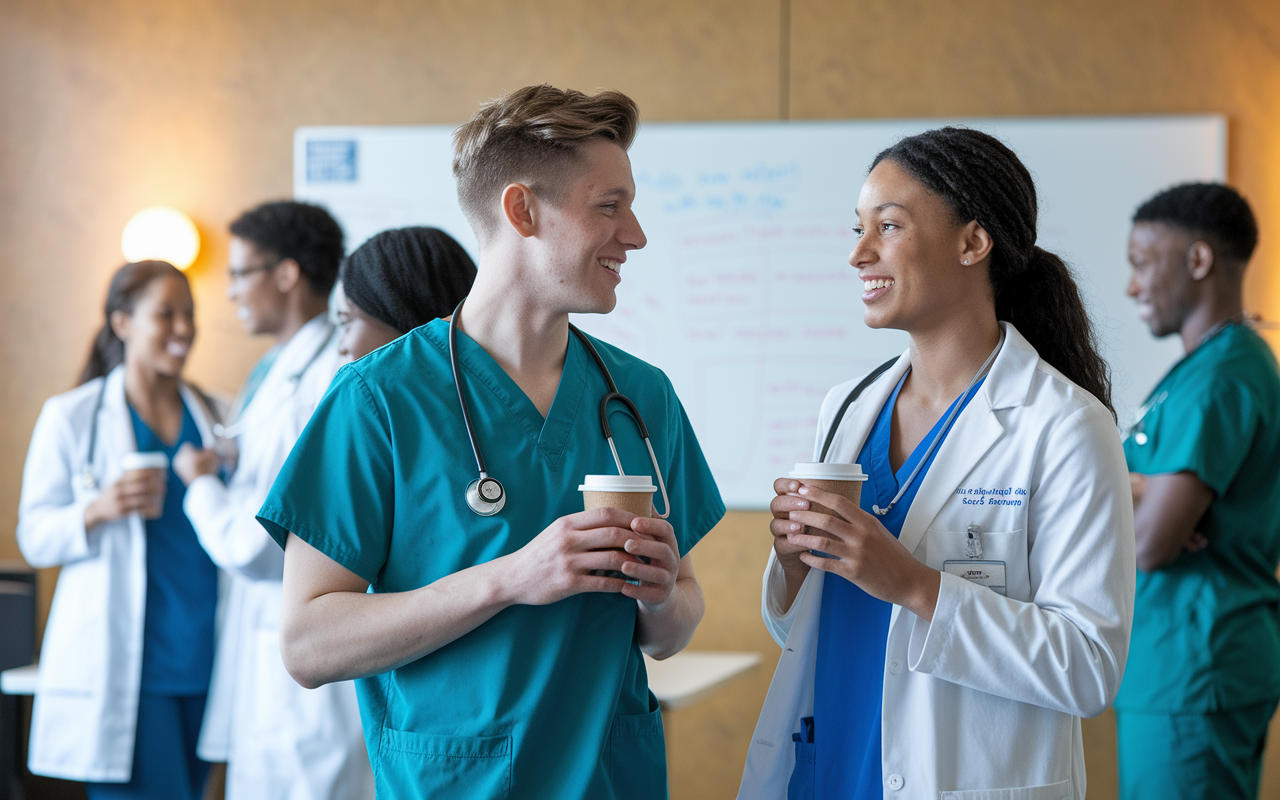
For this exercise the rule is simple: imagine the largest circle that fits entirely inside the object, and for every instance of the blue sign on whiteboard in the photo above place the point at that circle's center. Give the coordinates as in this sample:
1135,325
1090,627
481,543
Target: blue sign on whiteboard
330,161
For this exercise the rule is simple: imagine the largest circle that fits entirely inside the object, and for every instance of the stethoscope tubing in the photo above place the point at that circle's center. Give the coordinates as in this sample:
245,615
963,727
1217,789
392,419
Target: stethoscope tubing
937,438
295,380
611,395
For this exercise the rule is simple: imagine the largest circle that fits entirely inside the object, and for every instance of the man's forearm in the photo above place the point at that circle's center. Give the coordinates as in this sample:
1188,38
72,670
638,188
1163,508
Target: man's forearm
346,634
666,631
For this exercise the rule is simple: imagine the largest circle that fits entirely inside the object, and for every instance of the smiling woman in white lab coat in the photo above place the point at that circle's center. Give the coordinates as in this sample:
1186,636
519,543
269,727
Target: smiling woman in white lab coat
977,602
128,647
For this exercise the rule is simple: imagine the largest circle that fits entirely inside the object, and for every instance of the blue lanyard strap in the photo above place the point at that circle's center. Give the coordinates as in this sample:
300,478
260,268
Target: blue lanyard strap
942,432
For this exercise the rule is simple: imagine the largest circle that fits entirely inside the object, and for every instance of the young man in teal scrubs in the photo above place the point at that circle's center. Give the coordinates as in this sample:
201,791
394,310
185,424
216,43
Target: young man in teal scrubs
495,660
1204,665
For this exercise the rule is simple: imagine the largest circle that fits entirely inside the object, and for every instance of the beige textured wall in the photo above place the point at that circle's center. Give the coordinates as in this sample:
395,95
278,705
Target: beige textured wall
107,106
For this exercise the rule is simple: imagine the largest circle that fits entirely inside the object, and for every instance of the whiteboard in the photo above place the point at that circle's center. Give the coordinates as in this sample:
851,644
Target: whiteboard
744,296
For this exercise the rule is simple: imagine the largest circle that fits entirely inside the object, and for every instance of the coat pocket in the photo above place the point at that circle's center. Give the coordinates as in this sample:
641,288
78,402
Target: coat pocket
1007,548
1049,791
638,756
420,765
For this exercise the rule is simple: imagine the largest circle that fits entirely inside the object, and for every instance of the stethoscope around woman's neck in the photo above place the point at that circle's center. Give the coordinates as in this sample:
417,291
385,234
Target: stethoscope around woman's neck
485,495
87,478
937,437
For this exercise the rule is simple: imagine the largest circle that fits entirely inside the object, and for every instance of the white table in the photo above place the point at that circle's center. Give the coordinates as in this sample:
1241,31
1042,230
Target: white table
19,680
693,675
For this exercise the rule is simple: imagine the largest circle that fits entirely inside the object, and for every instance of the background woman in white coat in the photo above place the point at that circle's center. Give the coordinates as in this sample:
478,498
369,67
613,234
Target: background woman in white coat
128,648
979,600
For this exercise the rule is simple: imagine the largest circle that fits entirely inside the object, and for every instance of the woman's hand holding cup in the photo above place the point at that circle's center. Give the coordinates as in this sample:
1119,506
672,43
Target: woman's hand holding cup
140,490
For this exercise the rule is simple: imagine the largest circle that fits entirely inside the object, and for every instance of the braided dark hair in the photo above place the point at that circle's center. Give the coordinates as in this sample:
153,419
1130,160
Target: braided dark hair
982,180
128,284
408,276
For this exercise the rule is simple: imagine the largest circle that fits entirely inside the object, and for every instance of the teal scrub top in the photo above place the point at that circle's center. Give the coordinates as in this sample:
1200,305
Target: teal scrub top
1206,629
540,701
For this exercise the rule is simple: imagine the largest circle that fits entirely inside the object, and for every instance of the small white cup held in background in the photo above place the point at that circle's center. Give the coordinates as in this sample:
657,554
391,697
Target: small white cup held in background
131,462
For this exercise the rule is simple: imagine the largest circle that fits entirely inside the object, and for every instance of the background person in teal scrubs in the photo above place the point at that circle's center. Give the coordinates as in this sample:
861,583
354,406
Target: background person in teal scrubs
494,663
1204,667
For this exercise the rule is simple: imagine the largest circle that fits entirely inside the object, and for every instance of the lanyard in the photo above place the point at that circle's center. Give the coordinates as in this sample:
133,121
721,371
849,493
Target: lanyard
937,437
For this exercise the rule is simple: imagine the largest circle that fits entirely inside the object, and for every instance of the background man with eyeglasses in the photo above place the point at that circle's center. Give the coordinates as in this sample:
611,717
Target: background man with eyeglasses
278,739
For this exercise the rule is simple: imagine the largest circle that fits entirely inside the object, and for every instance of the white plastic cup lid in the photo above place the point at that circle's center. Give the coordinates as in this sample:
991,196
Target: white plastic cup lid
827,472
617,483
152,460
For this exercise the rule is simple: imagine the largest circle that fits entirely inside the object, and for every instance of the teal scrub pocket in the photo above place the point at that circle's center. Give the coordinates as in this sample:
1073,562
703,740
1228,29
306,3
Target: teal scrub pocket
418,765
638,757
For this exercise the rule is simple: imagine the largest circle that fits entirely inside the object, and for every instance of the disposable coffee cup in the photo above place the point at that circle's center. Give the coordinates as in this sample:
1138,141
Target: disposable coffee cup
632,493
131,462
842,479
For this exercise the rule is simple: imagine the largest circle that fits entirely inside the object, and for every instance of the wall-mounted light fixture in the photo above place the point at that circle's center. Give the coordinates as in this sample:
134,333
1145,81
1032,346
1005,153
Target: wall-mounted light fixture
163,234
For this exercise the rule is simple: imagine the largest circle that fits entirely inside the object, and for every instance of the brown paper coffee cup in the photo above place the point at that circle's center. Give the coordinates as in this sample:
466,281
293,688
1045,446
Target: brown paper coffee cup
842,479
638,503
633,493
852,490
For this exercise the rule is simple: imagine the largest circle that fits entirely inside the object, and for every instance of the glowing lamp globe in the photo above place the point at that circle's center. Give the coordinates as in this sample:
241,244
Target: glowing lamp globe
163,234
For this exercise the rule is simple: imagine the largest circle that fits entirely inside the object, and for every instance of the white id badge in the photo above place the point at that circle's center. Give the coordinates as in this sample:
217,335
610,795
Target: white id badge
984,573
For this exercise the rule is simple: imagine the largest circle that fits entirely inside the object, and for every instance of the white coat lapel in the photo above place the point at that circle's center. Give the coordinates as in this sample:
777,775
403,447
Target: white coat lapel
116,425
201,413
972,435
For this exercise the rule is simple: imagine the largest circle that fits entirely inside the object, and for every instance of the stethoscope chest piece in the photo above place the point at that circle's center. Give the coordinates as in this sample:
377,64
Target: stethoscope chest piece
486,496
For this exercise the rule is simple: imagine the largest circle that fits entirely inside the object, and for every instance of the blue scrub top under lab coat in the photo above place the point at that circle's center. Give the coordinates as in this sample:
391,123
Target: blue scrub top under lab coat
540,701
182,583
853,626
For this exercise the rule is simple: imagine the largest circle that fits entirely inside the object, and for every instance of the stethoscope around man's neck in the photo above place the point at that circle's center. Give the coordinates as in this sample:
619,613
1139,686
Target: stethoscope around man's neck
486,495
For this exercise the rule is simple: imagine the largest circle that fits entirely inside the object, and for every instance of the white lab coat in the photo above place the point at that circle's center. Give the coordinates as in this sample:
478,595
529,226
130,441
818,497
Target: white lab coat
86,704
279,740
983,703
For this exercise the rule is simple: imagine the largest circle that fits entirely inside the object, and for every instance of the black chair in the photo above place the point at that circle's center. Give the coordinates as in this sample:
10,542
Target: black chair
17,649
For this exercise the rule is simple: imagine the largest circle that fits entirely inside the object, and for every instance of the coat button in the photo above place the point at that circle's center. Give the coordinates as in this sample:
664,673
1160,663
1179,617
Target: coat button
895,666
895,782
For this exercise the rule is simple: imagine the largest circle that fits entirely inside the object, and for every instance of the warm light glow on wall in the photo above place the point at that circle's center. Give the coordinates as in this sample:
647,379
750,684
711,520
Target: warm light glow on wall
163,234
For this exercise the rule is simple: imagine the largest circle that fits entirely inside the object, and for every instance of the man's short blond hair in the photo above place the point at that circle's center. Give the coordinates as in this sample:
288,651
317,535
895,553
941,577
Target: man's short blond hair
533,136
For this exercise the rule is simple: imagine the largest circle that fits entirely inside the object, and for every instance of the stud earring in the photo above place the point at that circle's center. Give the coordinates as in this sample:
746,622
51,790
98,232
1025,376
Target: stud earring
966,261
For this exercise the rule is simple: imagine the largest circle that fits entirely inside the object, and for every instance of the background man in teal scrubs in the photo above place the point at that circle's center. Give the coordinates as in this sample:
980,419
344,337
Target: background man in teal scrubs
1204,665
495,660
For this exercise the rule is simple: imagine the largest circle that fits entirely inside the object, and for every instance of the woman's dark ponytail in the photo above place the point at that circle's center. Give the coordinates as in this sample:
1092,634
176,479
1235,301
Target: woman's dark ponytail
127,285
1044,304
982,180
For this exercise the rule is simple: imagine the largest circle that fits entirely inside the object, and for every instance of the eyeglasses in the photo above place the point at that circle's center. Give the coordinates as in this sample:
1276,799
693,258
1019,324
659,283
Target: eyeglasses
241,274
